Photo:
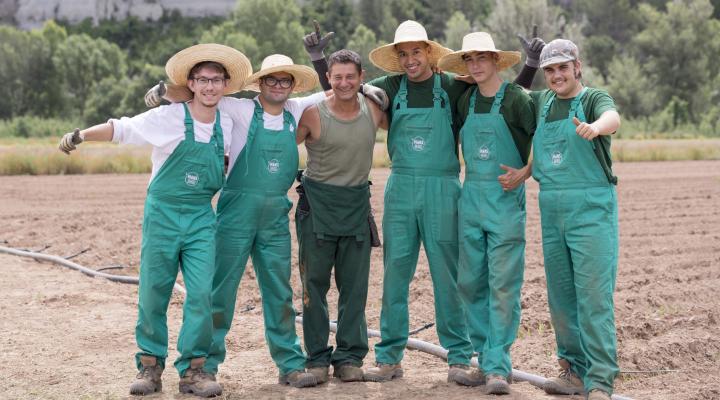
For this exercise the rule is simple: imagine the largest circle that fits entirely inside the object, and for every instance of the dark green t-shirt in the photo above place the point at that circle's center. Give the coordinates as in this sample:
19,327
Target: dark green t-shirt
517,108
595,102
420,93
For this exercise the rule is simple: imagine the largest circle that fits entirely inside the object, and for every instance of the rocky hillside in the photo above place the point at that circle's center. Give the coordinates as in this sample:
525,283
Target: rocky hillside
28,14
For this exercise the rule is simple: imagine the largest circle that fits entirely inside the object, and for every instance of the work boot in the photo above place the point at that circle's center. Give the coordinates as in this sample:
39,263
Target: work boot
464,375
566,383
496,384
598,394
148,379
198,382
383,372
320,373
348,373
299,379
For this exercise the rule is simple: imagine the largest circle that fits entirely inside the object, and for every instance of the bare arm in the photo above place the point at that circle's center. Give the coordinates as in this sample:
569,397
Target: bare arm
379,116
607,124
308,129
97,133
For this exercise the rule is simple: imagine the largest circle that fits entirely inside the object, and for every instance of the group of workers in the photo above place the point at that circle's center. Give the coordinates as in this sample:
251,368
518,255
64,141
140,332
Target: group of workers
473,233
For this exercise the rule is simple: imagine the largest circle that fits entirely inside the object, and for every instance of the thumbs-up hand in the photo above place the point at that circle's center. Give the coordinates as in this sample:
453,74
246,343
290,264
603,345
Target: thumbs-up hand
585,130
513,177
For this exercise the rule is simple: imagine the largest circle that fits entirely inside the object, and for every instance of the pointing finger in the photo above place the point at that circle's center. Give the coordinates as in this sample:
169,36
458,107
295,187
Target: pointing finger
535,31
317,27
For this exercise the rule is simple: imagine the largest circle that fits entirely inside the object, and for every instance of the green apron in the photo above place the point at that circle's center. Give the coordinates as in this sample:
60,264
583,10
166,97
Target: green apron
421,198
253,222
492,237
578,208
179,231
333,234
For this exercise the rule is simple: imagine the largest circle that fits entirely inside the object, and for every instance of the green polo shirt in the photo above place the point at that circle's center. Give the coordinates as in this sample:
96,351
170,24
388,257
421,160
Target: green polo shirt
517,109
595,102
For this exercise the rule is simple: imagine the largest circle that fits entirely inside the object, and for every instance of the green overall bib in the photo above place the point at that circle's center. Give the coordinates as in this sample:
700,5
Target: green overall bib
492,237
253,222
578,208
179,231
421,198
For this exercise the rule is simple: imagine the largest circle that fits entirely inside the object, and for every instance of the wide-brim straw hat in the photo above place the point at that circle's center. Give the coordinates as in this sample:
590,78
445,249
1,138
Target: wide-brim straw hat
386,58
305,78
236,64
480,42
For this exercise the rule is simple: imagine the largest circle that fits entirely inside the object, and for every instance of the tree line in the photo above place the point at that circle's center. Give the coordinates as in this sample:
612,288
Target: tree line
659,59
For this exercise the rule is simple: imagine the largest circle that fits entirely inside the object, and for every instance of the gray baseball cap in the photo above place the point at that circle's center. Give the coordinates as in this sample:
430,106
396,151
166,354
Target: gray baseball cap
558,51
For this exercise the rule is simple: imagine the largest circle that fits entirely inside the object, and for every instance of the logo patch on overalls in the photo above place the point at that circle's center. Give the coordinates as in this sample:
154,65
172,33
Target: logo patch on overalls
417,143
484,153
191,178
556,158
273,166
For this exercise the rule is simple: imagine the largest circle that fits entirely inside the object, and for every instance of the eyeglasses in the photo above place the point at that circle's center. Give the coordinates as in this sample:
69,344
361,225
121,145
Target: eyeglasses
272,81
203,81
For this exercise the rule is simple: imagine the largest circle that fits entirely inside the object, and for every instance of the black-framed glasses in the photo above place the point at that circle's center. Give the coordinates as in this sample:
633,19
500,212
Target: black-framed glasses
272,81
203,81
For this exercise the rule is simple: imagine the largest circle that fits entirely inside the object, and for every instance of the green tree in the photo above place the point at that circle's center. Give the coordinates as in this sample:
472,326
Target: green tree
362,41
376,15
227,34
457,27
631,87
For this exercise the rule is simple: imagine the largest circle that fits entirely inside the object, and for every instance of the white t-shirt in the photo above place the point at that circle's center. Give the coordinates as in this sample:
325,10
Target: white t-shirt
164,128
241,112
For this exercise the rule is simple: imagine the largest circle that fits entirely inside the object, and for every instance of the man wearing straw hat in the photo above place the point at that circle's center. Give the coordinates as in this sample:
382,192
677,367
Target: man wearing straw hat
189,144
253,207
578,209
498,121
332,218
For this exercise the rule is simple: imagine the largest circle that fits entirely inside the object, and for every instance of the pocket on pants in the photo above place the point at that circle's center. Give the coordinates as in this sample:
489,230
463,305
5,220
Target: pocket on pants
555,152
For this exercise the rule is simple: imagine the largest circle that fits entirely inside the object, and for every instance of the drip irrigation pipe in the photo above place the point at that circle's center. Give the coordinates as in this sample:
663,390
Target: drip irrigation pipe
413,344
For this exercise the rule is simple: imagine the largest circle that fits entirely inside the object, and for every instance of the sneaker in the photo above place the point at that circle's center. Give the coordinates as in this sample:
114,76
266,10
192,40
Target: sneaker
198,382
148,380
464,375
348,373
298,379
383,372
566,383
496,384
597,394
320,373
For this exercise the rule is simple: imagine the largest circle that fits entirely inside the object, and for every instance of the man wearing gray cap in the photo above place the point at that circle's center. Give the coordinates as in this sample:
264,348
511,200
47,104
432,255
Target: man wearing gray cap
578,207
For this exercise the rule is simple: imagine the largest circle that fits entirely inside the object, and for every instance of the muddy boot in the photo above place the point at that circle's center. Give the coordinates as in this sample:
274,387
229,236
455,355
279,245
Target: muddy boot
464,375
148,379
299,379
597,394
566,383
320,373
348,373
383,372
496,384
199,382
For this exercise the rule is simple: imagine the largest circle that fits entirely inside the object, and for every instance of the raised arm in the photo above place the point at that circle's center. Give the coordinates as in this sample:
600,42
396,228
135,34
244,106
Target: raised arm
315,45
532,49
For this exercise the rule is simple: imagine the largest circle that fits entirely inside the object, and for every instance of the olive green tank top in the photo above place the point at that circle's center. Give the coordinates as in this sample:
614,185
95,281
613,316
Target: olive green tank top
343,154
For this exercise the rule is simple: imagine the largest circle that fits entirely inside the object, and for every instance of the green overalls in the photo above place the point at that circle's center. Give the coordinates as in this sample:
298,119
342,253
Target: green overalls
253,221
578,208
179,231
492,237
421,199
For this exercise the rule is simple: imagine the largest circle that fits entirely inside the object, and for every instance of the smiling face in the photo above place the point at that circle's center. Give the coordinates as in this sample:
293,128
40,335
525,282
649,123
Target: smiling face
482,66
208,85
563,78
277,93
414,58
345,80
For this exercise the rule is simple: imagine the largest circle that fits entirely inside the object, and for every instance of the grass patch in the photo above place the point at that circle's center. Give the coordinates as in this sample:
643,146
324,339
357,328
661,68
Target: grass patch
665,150
89,159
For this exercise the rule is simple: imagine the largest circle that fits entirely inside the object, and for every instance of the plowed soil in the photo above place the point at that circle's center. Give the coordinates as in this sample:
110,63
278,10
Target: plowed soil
66,335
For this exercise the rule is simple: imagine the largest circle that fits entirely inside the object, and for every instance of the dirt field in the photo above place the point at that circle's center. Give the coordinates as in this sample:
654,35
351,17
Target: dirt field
65,335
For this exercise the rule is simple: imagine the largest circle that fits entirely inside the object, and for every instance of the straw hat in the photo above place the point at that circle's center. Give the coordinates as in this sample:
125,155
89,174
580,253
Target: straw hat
386,58
305,77
477,41
237,65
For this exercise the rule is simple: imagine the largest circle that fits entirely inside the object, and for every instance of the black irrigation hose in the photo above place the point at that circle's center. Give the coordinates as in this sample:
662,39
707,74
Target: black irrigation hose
413,344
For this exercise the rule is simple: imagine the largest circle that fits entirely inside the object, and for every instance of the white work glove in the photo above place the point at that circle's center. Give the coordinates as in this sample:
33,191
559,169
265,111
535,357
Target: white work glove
70,140
376,95
154,96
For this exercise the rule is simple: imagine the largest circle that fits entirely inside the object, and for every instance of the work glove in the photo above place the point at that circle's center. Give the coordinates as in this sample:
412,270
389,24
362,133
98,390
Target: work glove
376,95
532,48
154,96
70,140
315,43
